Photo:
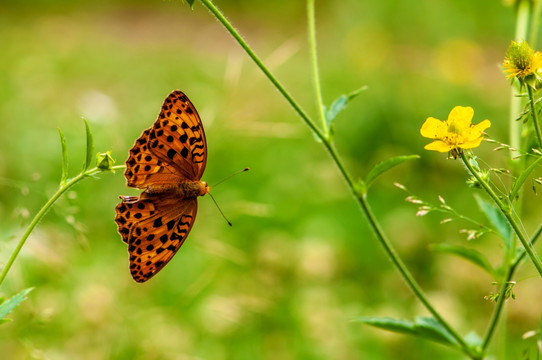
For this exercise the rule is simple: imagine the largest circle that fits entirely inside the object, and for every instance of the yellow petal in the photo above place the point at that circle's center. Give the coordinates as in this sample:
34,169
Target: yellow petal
461,116
482,126
433,128
476,131
472,144
439,146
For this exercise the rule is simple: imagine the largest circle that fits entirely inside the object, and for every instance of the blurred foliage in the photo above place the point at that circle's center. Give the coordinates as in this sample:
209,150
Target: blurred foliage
299,263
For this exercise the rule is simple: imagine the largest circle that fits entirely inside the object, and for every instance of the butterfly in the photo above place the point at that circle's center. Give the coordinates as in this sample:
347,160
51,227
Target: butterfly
167,161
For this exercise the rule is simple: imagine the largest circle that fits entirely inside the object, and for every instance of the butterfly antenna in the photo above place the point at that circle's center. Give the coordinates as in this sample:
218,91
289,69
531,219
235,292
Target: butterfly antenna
227,177
219,209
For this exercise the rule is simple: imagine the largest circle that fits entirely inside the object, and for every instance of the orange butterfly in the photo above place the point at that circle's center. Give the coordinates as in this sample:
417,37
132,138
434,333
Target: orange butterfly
167,160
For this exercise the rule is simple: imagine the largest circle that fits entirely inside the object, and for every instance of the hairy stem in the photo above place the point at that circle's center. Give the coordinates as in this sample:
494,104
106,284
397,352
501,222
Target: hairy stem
41,213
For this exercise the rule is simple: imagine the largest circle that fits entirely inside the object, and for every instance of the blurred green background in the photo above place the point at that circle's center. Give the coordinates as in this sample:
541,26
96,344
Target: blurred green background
300,262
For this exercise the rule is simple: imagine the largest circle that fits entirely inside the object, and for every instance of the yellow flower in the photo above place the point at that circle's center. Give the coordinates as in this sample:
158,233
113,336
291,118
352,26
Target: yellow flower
522,62
454,134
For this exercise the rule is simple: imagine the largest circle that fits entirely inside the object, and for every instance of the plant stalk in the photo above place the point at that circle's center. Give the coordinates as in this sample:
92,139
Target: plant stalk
61,190
506,211
315,71
534,116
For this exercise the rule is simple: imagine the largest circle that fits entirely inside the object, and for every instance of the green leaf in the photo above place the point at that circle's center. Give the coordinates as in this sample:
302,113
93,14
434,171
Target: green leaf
64,175
496,218
390,324
430,328
474,256
522,177
340,103
385,165
90,147
12,303
424,327
191,3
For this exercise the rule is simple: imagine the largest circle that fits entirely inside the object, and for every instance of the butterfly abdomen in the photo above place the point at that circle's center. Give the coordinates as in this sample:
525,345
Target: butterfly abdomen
185,189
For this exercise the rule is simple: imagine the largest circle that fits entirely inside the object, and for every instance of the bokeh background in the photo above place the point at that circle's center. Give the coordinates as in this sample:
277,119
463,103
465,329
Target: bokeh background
299,264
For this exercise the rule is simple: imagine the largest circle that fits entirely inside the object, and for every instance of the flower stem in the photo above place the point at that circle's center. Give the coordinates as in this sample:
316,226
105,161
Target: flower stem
502,292
535,116
315,71
506,211
62,189
392,254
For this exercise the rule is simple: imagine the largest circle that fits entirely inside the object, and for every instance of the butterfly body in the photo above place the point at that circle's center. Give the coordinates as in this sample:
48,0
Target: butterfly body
167,162
184,189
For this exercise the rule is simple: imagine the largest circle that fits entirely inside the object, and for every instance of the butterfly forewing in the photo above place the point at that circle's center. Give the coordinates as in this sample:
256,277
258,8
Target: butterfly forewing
177,137
144,168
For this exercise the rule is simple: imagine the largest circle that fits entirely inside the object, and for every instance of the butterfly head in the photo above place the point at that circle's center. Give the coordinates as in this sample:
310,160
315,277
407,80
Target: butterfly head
204,188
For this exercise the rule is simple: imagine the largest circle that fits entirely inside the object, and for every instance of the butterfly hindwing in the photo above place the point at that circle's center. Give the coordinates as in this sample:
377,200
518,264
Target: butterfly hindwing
157,227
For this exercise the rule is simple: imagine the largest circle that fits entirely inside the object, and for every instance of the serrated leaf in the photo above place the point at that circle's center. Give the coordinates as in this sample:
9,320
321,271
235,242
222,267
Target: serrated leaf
90,147
497,219
12,302
386,165
522,177
471,255
339,104
424,327
64,147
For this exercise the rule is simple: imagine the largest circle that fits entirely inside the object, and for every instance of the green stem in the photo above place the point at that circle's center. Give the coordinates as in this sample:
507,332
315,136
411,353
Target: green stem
214,10
42,213
534,23
315,71
495,317
506,211
535,116
534,238
522,22
394,257
502,292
